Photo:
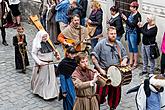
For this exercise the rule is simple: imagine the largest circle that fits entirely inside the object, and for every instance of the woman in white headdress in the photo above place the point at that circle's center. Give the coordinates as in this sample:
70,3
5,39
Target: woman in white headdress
151,94
43,82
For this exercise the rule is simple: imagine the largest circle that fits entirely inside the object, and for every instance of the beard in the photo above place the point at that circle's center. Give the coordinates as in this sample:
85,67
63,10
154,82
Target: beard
113,39
76,25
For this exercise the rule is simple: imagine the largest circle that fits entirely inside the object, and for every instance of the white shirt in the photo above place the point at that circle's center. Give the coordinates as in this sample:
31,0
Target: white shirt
13,2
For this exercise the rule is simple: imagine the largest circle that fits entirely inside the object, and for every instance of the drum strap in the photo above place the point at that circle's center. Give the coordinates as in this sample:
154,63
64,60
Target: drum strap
119,52
80,34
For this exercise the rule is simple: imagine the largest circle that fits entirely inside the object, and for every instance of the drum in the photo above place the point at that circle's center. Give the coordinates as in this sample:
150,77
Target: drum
119,75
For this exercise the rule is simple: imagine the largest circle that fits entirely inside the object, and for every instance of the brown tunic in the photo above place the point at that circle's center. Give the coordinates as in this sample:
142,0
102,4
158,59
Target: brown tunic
86,98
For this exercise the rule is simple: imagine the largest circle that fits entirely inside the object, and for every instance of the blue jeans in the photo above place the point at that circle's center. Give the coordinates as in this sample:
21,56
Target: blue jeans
132,41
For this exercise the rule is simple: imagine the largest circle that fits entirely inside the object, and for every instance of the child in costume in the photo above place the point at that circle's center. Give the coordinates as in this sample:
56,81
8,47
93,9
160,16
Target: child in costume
19,42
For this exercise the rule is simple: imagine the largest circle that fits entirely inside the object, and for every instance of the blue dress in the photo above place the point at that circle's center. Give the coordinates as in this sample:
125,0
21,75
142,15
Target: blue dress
68,88
65,70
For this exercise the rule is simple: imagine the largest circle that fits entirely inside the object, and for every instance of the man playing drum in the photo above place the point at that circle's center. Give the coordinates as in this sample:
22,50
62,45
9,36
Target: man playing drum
106,53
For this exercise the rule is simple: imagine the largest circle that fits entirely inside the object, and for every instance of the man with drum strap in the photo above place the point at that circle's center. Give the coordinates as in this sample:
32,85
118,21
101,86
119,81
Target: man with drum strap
106,53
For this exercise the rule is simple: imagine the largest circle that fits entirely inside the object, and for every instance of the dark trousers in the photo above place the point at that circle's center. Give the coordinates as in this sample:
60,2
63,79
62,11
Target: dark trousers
114,95
3,34
162,63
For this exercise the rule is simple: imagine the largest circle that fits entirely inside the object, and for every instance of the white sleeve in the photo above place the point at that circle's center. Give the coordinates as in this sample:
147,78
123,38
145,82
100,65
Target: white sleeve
163,99
141,98
35,57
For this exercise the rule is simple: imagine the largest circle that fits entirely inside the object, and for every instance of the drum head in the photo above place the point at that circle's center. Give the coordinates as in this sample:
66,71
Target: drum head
114,74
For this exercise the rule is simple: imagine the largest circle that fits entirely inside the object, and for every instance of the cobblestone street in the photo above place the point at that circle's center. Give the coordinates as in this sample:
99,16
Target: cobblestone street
15,88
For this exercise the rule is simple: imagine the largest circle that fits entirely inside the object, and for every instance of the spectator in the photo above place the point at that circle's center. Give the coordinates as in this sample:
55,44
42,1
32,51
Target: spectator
14,6
61,14
95,19
149,31
3,14
116,21
74,8
132,33
163,55
84,5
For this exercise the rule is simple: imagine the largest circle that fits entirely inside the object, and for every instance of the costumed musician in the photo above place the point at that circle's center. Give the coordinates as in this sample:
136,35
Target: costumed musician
75,32
107,52
84,81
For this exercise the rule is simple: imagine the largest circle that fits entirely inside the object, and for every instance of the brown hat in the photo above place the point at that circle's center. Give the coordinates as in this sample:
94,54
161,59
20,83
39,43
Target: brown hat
134,4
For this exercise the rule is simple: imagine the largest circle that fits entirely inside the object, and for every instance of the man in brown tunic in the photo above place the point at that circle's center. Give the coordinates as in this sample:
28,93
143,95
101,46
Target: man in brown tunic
73,31
84,80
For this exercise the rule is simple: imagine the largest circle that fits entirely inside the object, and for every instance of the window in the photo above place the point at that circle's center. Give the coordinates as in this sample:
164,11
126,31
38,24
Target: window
123,5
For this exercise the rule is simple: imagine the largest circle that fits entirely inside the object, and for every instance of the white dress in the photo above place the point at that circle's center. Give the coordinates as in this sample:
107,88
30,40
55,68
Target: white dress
44,82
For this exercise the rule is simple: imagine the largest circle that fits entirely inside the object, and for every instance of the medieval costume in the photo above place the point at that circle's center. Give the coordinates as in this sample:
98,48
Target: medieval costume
52,26
86,97
77,34
73,32
21,58
151,94
65,70
43,82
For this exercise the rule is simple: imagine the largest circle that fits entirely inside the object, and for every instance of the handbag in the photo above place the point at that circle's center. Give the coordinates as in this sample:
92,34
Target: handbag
91,29
154,51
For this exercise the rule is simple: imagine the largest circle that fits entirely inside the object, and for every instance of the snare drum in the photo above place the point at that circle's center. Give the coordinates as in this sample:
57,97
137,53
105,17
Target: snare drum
119,75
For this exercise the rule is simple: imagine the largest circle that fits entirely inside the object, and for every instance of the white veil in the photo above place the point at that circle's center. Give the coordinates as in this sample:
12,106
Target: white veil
37,40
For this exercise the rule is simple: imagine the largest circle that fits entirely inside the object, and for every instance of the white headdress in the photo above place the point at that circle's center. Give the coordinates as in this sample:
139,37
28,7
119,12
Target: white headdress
37,40
157,81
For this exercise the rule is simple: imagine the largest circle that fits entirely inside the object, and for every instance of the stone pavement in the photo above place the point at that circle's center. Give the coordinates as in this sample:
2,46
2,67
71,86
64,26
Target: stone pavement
15,91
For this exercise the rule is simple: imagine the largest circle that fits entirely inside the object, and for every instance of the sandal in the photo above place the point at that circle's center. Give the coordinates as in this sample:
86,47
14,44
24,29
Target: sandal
134,67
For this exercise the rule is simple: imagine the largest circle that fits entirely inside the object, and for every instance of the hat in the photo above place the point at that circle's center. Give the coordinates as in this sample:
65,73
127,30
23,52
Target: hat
71,50
158,80
134,4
